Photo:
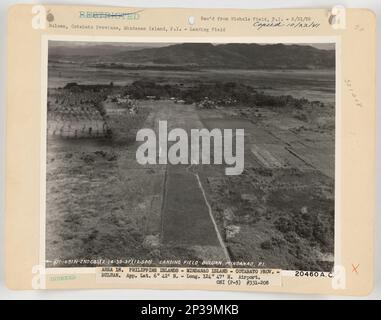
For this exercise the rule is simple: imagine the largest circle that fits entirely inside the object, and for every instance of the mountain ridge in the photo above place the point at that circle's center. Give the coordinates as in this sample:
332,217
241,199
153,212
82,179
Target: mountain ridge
207,55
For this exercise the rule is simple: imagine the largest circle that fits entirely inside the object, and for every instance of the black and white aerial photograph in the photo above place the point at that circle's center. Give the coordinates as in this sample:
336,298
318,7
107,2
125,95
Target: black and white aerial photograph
190,154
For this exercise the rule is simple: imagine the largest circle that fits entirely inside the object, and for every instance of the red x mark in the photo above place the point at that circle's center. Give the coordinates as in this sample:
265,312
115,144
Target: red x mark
355,268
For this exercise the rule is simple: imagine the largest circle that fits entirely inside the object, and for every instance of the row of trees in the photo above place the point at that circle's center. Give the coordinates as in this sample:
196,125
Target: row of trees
218,91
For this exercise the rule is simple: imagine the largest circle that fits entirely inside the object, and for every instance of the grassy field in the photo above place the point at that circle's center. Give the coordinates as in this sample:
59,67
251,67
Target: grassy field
89,213
280,211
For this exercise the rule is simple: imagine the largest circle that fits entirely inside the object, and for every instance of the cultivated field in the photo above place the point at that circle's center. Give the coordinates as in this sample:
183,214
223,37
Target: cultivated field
101,204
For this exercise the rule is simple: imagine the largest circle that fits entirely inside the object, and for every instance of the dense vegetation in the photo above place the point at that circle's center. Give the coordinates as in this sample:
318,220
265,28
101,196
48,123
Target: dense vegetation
216,91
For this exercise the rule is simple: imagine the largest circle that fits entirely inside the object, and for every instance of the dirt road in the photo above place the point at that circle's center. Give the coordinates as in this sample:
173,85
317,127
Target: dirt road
185,215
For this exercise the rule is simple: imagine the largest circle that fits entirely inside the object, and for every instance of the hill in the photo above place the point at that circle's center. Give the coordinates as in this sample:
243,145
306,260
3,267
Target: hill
207,55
